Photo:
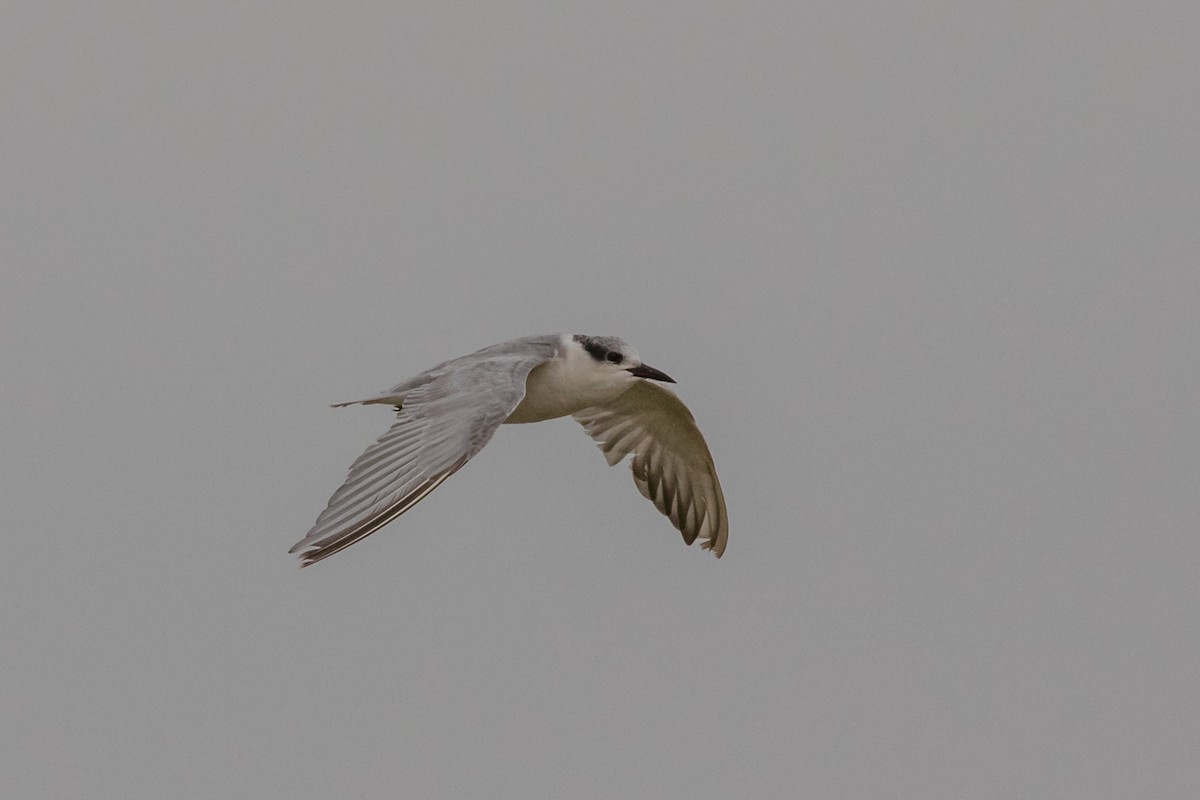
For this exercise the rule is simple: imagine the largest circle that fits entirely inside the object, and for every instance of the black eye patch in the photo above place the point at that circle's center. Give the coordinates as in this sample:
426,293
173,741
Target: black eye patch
593,348
613,358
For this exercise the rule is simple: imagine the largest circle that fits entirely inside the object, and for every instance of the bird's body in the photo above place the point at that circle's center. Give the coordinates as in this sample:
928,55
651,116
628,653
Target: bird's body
564,385
449,412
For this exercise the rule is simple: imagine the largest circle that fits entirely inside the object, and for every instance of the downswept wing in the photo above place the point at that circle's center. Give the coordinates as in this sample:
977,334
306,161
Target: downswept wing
671,464
442,423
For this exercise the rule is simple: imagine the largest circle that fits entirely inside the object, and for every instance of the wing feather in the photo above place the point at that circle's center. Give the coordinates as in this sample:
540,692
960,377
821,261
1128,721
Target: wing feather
672,466
444,417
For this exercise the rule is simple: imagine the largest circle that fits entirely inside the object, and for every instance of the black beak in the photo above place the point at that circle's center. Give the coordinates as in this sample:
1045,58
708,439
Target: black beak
642,371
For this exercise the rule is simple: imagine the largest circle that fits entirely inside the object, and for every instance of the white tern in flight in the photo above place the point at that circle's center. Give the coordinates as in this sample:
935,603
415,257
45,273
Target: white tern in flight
448,413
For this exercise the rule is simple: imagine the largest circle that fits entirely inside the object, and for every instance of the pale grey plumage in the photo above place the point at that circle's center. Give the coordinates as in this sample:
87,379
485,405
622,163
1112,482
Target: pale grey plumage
448,413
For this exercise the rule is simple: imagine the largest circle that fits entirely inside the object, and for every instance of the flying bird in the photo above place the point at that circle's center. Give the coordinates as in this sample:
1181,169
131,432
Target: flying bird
448,413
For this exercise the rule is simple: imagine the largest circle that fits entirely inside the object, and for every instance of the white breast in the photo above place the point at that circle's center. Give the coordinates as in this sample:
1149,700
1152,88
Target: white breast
568,383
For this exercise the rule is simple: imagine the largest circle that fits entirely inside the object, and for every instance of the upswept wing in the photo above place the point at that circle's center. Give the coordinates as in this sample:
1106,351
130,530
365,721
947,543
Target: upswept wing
443,422
671,464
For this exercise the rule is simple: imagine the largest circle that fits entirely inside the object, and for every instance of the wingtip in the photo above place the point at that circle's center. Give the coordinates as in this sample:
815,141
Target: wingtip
308,559
300,550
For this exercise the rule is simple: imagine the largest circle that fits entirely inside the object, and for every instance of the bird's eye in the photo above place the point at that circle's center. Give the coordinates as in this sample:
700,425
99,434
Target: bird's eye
613,358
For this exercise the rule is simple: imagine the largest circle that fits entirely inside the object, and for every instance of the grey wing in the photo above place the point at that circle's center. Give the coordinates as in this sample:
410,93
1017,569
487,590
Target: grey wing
442,423
672,466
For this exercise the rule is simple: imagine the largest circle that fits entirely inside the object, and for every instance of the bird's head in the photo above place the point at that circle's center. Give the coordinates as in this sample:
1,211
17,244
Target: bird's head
617,358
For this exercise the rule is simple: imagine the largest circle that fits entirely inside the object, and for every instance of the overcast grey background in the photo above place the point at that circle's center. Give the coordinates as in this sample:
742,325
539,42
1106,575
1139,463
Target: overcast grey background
926,273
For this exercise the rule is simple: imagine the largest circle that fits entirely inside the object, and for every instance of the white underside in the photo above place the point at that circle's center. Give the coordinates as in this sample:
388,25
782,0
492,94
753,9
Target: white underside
567,384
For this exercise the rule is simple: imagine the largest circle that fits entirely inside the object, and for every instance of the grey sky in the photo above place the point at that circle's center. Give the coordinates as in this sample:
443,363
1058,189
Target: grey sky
926,274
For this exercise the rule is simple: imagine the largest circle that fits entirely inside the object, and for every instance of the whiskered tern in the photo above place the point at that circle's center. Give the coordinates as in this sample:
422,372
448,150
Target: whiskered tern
448,413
